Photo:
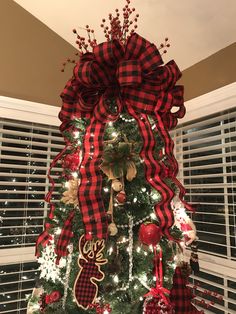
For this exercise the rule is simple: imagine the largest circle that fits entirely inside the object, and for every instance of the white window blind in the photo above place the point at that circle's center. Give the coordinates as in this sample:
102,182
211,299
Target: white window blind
26,150
206,152
222,299
16,283
28,143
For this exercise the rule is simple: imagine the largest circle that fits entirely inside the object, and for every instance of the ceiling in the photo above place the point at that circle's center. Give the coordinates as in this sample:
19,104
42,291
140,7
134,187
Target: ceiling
196,28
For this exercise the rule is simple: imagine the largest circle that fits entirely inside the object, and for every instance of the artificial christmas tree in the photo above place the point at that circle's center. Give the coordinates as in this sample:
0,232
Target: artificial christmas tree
110,243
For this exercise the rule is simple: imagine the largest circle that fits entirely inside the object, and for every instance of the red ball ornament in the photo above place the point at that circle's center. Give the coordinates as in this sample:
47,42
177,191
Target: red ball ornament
149,234
121,197
55,296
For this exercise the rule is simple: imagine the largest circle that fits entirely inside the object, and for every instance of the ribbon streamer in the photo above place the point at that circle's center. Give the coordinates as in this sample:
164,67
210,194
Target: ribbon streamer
159,290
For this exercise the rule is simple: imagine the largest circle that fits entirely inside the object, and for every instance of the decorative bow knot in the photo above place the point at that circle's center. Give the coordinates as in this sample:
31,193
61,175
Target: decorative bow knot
158,291
133,76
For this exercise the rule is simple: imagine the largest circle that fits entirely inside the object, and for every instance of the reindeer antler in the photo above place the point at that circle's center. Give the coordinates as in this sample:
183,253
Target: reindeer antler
92,250
98,255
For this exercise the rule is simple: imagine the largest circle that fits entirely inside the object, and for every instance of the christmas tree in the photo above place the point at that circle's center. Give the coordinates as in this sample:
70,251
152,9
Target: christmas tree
114,241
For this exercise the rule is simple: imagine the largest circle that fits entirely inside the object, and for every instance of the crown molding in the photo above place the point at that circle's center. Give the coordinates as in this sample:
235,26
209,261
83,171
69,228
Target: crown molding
18,109
216,101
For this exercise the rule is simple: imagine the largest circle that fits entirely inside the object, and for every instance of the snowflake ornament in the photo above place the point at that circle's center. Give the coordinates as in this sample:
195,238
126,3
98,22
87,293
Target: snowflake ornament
49,269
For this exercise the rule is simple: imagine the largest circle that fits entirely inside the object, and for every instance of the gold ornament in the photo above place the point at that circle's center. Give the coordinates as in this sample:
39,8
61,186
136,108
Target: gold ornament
112,229
116,185
70,196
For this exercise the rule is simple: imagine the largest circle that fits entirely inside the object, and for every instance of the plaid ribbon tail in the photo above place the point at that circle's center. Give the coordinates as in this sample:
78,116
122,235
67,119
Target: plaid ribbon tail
43,240
152,173
90,195
52,165
64,238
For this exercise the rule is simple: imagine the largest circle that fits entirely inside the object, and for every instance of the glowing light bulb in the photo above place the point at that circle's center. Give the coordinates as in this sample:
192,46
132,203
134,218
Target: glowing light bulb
114,134
153,216
116,279
75,175
106,312
58,231
138,249
76,134
67,184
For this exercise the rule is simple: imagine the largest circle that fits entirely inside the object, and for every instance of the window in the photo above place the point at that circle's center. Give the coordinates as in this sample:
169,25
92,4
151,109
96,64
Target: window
205,147
16,283
27,146
26,152
206,151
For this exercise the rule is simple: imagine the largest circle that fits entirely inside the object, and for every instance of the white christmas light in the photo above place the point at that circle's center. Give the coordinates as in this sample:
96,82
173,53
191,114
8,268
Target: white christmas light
143,277
110,123
105,312
141,298
114,134
138,249
105,190
75,175
76,134
154,196
135,200
153,216
67,184
110,250
143,189
58,231
116,279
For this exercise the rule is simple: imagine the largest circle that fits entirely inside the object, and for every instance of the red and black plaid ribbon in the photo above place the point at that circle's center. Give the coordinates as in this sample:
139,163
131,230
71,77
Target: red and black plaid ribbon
133,76
64,238
181,295
45,237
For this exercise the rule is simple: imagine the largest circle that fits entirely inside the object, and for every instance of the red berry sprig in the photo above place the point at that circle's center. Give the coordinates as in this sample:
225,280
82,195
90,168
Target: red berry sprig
164,46
117,29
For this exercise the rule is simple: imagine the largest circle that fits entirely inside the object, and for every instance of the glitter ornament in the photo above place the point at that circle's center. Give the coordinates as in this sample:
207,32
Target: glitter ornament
112,229
121,197
157,305
71,161
116,185
149,234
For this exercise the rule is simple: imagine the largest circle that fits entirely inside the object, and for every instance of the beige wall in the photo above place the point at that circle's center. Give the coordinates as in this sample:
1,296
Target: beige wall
31,56
211,73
